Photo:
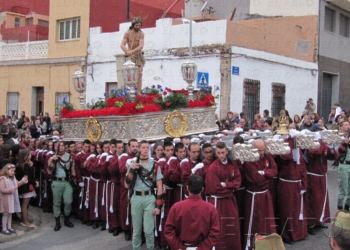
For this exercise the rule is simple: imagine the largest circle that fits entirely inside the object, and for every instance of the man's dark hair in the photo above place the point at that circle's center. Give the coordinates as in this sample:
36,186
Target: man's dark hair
106,142
131,140
168,144
113,141
178,146
118,142
192,144
238,139
4,129
267,112
221,145
195,184
12,132
341,237
206,145
143,142
135,21
241,114
70,143
86,142
168,139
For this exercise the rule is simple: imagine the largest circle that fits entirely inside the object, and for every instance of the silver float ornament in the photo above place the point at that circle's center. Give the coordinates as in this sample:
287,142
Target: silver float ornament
79,84
130,73
245,152
332,137
189,74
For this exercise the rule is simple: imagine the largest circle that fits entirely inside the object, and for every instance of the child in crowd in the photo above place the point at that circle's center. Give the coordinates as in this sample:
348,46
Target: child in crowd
9,201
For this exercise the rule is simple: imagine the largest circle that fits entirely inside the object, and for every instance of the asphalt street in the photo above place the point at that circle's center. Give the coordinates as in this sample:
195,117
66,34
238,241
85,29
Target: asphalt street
82,237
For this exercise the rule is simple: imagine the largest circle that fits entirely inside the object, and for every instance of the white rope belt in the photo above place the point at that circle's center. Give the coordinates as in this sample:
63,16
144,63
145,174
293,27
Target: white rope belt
181,186
251,216
293,181
324,202
96,196
87,195
107,224
45,189
127,210
112,197
325,195
319,175
103,194
216,199
301,215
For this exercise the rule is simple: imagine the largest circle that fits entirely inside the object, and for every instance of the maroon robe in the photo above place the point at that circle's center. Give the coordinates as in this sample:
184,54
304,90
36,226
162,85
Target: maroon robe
94,169
125,213
113,194
174,174
316,197
83,176
193,221
224,201
186,166
259,216
168,188
203,171
103,164
292,212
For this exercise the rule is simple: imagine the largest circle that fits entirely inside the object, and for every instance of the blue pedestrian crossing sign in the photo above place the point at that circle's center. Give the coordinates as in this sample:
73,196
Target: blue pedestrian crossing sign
202,80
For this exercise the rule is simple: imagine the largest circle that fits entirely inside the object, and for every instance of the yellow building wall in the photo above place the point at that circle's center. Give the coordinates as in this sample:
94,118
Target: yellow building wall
54,78
61,10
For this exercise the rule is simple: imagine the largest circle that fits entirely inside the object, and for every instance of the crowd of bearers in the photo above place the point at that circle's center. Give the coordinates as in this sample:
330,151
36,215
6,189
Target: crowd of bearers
88,180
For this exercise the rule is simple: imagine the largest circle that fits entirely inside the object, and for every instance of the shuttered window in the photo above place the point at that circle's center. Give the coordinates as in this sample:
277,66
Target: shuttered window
251,99
278,98
12,103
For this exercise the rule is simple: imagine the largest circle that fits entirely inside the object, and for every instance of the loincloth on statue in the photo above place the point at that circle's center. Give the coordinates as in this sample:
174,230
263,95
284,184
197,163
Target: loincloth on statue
138,59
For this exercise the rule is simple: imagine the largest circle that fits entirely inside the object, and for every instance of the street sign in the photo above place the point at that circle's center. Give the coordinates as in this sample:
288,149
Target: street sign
202,79
235,70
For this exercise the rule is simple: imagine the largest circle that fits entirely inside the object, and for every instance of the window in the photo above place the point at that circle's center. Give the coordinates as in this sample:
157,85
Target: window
251,99
344,26
17,22
12,103
43,23
29,21
110,86
69,29
329,20
60,98
278,98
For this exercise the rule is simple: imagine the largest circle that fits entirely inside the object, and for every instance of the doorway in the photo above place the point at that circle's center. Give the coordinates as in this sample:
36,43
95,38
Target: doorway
38,100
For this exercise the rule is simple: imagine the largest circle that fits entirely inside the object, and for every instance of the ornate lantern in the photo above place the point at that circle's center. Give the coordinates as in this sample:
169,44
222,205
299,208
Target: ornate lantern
189,74
130,74
79,85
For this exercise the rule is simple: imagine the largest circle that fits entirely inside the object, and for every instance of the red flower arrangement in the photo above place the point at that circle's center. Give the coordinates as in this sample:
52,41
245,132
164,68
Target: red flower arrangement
146,103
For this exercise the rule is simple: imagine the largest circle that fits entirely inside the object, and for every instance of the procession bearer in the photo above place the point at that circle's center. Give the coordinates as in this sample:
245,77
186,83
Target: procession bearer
143,173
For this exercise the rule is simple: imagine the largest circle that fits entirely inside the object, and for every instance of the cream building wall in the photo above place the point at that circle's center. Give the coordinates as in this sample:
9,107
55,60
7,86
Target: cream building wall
61,10
54,78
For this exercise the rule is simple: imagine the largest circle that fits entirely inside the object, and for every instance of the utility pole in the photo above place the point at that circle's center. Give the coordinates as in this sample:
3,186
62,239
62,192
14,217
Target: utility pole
127,10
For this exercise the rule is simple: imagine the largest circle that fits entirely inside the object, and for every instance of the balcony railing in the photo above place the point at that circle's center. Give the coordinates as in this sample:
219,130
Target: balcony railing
26,50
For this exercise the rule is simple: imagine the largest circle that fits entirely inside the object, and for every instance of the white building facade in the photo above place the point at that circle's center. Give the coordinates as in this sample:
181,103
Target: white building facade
166,48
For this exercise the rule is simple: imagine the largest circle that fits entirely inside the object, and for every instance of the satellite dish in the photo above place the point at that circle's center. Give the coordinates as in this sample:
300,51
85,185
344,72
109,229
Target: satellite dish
204,5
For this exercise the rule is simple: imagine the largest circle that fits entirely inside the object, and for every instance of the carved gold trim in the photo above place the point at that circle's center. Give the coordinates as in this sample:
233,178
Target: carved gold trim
176,124
93,129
